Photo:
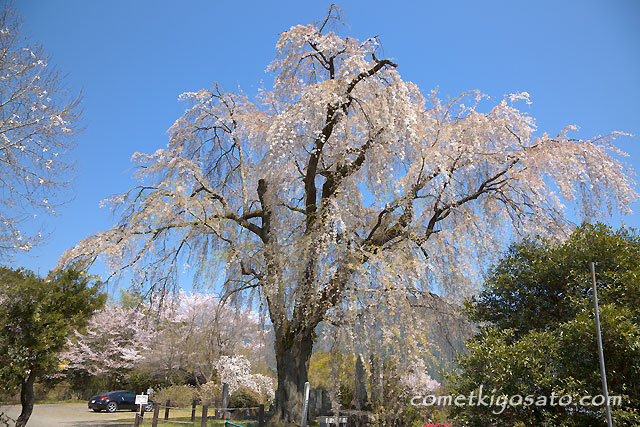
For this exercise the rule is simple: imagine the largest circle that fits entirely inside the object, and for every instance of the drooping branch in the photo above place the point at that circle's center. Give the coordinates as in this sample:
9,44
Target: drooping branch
334,178
242,220
332,117
330,293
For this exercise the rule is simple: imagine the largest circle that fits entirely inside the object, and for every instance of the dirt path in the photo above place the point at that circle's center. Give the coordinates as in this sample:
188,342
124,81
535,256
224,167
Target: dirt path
71,415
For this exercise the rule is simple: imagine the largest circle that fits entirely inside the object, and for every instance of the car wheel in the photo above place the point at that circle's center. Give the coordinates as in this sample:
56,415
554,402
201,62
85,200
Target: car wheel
112,407
148,407
96,410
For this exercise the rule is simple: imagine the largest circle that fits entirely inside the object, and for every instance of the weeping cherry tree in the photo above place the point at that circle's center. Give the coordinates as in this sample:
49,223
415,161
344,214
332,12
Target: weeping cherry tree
343,179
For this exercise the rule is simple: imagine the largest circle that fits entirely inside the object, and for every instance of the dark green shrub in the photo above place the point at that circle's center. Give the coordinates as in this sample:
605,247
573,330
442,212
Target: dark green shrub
244,398
537,336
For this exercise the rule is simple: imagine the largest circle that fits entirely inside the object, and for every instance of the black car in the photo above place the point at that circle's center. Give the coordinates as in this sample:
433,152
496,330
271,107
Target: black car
114,400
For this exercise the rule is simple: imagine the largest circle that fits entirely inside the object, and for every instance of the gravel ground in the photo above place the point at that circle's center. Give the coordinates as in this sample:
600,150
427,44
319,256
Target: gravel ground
71,415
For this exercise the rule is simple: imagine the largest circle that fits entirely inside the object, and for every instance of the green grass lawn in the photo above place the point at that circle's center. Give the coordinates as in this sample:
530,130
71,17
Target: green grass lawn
182,417
175,422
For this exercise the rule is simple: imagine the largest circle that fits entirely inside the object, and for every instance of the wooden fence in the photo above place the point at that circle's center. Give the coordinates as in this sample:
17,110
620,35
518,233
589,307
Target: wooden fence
256,413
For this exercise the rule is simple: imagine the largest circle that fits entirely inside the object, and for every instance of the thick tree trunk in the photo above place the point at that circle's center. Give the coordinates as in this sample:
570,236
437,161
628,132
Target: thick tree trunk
26,399
292,357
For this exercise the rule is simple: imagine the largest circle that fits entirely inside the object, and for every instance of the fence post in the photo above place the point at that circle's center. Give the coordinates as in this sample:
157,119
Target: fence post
193,410
261,416
203,422
166,410
225,399
156,413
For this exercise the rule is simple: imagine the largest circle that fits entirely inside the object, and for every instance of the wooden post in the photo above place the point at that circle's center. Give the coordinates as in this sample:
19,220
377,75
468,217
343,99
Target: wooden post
193,410
166,409
156,414
203,422
225,400
261,416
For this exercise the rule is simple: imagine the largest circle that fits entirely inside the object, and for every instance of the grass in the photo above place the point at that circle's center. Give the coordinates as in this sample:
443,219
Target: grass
181,417
186,422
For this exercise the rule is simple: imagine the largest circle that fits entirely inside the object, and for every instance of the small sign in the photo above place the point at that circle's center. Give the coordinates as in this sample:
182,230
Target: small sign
142,399
328,421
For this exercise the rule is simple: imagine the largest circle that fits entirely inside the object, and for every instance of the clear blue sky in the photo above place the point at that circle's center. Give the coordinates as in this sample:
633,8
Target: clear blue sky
579,60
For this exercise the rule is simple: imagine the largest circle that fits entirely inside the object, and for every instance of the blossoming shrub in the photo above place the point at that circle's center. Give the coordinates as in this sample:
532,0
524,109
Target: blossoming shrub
236,371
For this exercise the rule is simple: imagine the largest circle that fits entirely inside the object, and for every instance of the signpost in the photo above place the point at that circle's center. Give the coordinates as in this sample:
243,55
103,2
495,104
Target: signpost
142,400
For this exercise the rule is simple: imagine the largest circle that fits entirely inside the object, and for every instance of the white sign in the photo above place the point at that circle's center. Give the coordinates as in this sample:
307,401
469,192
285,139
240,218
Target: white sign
142,399
332,420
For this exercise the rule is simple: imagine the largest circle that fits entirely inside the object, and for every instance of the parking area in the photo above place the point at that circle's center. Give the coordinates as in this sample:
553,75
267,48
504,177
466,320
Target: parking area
71,415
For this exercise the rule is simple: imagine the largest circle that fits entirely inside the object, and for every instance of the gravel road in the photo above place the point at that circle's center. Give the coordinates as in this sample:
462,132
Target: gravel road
71,415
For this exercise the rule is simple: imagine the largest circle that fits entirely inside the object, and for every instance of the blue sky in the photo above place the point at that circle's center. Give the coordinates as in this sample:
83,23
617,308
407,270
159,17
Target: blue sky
579,60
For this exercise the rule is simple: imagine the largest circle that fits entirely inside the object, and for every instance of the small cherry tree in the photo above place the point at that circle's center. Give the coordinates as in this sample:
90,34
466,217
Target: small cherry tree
343,179
115,340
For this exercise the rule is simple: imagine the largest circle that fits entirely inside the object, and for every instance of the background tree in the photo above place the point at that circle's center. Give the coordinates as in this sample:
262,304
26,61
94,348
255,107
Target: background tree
343,179
36,316
180,344
115,340
539,333
38,120
194,331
